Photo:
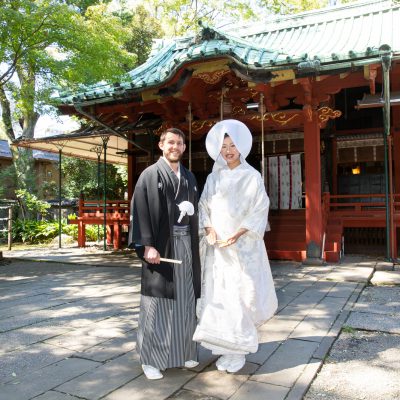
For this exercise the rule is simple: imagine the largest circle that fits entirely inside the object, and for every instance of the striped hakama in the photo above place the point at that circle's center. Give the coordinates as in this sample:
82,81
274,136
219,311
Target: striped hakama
166,326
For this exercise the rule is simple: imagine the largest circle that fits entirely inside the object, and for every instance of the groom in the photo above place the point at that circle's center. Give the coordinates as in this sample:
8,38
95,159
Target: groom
169,291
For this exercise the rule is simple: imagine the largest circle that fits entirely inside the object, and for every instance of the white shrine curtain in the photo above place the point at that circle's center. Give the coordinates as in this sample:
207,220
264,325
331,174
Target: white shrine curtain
284,181
297,190
273,182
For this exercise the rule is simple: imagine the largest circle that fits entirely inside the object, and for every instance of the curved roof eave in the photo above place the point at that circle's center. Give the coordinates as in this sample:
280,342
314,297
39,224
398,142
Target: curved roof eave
294,48
157,77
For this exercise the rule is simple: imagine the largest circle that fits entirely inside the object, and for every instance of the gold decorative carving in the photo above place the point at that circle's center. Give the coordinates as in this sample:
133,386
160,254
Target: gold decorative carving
279,118
238,110
253,92
163,127
282,118
199,125
325,113
212,77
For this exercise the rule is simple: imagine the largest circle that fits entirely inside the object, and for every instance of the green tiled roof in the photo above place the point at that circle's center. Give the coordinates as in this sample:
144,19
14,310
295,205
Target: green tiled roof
353,31
328,39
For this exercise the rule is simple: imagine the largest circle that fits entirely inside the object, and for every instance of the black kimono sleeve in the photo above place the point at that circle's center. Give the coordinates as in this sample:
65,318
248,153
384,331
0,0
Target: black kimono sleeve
145,211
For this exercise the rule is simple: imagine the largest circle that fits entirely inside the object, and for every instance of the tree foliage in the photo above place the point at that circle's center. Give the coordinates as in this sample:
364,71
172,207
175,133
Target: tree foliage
91,182
296,6
31,204
51,39
141,28
181,17
48,43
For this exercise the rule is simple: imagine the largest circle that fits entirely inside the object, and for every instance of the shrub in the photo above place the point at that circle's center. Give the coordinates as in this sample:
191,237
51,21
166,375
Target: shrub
32,231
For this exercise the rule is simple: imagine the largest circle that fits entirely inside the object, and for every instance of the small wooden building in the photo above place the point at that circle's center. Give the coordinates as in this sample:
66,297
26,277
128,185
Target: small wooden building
312,89
45,167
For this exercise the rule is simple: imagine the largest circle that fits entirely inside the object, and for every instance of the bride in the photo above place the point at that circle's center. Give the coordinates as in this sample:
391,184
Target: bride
238,293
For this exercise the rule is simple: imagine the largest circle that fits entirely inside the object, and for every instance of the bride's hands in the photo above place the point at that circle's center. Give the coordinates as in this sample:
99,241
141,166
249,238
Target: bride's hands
233,239
211,236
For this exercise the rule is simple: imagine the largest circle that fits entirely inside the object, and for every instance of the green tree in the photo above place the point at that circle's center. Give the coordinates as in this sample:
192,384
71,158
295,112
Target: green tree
295,6
48,43
83,5
74,182
30,204
142,28
181,17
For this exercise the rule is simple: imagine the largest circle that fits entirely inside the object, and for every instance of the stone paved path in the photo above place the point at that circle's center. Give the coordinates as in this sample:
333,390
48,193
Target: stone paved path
67,331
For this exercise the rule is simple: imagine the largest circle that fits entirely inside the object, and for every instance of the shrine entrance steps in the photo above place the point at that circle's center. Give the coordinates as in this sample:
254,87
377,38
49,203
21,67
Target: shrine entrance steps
287,238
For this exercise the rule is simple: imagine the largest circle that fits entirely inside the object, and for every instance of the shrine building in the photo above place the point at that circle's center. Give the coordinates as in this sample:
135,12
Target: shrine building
320,92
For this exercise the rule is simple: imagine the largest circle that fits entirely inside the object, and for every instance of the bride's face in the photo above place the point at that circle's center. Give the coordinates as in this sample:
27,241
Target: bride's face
230,153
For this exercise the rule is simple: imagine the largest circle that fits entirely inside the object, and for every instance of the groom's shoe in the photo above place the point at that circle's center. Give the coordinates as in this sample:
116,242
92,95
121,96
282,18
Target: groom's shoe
152,372
191,364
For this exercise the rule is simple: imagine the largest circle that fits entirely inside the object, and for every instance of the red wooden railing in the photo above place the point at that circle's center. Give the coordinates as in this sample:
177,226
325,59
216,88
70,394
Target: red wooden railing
91,212
352,205
364,211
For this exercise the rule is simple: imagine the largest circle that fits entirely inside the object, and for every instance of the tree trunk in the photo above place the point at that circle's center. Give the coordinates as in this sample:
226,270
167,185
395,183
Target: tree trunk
29,123
22,158
6,115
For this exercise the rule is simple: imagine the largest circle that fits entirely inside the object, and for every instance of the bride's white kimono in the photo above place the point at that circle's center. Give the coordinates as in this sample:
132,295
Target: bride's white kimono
238,292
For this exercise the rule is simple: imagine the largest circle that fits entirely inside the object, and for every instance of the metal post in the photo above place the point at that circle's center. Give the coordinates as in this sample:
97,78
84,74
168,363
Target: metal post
59,197
262,137
221,106
105,140
386,58
98,191
98,150
385,147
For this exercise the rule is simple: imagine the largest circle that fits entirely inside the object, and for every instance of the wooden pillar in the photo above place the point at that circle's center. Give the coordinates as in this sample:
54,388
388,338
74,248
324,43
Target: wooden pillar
395,111
312,156
116,235
81,234
109,234
396,150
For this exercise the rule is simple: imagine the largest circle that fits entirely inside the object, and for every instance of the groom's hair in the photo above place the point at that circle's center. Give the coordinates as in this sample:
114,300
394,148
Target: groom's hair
175,131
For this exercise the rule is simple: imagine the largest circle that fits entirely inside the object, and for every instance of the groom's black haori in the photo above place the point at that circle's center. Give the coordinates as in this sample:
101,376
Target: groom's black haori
152,225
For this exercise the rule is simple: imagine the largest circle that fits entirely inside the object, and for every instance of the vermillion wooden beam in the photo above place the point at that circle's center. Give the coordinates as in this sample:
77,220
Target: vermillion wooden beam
395,81
313,188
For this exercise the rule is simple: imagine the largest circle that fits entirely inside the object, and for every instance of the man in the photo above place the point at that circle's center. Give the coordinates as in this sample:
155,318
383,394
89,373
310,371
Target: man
169,290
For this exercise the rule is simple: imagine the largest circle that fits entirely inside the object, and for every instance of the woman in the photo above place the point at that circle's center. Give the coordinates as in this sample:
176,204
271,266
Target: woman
238,293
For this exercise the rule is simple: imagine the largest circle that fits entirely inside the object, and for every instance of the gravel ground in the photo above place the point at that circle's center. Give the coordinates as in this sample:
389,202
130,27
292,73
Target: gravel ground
364,364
